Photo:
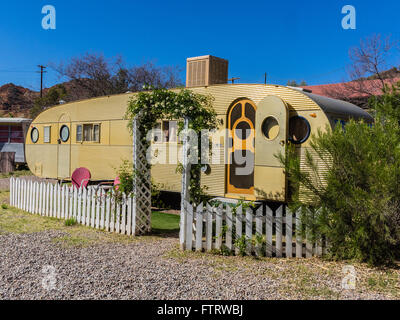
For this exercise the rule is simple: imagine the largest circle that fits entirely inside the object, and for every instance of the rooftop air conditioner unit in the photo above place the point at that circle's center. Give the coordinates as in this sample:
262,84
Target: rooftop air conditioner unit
205,71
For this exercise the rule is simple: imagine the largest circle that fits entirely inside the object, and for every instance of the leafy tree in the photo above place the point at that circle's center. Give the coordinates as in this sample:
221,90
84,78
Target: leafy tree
51,98
355,201
293,83
93,75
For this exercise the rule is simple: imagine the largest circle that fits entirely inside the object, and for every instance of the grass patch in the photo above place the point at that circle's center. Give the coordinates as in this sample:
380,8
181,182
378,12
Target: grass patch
16,174
306,278
17,221
164,223
70,222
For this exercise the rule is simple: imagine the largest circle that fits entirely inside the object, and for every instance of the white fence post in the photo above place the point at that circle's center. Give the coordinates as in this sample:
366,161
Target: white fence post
141,182
185,198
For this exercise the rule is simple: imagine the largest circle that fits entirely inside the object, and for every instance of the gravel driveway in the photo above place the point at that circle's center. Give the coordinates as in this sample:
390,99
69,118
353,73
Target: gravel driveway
146,270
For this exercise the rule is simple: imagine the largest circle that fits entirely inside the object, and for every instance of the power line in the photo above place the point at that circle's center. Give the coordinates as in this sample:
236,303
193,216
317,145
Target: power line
17,71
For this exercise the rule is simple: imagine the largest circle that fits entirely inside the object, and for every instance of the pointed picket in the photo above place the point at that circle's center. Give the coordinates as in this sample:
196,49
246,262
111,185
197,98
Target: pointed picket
289,233
84,201
58,197
218,227
98,205
239,226
268,231
75,205
199,227
113,212
209,227
299,241
108,209
89,207
123,215
189,228
118,216
249,230
278,228
229,224
129,215
93,212
51,193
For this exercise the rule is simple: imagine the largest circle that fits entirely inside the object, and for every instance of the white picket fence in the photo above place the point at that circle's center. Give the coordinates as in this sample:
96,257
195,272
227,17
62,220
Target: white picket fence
209,228
90,207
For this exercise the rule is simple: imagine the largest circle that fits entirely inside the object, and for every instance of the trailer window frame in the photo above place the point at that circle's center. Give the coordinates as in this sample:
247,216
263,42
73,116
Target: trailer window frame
47,139
164,132
63,127
36,139
305,135
79,133
93,133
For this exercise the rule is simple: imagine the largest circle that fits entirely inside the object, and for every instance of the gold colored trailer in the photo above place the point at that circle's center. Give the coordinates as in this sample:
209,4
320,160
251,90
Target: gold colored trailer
93,134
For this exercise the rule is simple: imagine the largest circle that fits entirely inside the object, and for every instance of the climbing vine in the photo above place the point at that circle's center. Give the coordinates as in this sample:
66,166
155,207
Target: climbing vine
162,104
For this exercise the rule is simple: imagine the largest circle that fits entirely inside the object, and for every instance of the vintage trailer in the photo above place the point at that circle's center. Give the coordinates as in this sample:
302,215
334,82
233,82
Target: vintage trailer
94,135
12,137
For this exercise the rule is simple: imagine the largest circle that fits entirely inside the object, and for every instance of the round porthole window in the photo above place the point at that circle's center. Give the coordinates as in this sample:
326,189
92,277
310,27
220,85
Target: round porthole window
299,130
270,128
64,133
35,135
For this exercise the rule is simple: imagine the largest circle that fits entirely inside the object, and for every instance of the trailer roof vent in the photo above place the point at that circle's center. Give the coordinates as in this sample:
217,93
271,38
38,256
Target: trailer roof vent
205,71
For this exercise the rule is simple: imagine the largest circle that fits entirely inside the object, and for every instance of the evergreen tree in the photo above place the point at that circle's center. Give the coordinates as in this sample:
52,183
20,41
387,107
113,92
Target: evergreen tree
355,203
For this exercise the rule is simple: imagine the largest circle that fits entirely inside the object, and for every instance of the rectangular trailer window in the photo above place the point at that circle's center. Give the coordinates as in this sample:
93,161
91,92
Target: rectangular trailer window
96,133
166,131
91,132
47,134
79,133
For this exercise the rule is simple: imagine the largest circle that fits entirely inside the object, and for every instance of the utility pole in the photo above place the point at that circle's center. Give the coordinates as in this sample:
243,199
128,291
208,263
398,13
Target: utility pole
41,79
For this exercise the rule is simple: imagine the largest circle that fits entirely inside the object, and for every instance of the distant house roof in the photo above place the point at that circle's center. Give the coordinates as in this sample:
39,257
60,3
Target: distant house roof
350,90
14,120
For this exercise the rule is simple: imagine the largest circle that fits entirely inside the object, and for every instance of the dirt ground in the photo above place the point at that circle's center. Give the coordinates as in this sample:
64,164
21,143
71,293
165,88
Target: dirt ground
42,258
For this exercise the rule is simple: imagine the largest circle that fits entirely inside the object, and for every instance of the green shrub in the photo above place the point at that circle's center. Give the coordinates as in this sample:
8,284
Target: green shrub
125,173
356,202
4,206
241,244
71,222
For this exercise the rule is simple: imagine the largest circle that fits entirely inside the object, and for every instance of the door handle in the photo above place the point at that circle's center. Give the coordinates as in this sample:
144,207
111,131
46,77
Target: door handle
282,143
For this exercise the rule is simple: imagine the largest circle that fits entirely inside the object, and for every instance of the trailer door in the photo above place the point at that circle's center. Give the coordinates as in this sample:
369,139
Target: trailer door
271,139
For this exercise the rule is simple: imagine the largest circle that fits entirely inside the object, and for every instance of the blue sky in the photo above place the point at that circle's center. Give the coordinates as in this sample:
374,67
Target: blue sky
287,39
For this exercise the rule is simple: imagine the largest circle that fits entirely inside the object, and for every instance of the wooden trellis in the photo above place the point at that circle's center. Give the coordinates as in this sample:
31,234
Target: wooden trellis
141,182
